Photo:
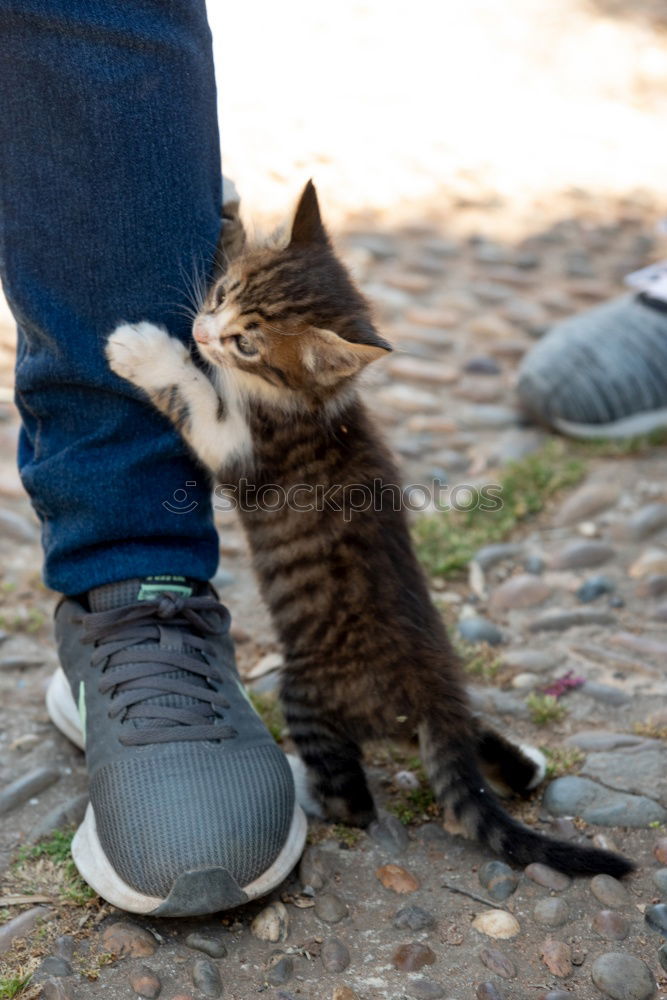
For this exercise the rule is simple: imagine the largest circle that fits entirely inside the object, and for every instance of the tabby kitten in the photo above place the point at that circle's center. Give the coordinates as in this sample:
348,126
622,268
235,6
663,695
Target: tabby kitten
285,334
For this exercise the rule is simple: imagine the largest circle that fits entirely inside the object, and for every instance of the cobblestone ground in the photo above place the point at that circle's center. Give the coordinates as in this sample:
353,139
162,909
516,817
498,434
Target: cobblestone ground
489,149
578,593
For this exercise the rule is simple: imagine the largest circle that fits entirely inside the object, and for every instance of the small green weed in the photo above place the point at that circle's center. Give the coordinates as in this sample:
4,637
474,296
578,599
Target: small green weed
562,760
479,660
11,986
544,708
348,835
48,865
447,541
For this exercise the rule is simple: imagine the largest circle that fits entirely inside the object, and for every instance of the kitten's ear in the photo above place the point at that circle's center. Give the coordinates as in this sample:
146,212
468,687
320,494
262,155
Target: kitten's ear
331,358
307,226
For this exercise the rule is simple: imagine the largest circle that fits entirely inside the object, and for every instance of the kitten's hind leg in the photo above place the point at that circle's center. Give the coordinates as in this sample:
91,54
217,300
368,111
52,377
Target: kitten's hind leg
510,768
336,779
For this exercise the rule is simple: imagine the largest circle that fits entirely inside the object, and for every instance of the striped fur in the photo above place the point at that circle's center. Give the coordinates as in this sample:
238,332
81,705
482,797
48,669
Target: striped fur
366,652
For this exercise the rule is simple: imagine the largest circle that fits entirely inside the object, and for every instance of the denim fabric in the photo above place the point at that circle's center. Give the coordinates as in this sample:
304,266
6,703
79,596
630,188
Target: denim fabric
110,196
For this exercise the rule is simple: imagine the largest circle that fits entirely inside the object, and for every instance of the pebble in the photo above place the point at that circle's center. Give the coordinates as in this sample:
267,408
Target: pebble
54,989
271,923
660,850
479,629
265,665
315,868
660,879
491,293
654,585
490,555
482,366
602,739
26,787
610,892
574,796
281,971
557,956
412,957
21,926
656,917
334,955
479,389
125,939
551,912
209,944
638,770
490,991
499,963
407,399
559,621
605,693
521,591
343,992
532,661
623,977
389,832
646,521
418,370
397,879
651,561
594,587
582,554
413,918
498,879
330,908
610,925
548,877
497,924
206,977
407,781
424,989
145,983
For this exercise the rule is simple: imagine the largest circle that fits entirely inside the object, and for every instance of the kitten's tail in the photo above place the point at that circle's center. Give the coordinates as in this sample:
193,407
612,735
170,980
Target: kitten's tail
460,789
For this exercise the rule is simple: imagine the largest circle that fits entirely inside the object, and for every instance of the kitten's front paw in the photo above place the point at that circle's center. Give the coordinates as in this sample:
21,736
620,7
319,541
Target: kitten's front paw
145,355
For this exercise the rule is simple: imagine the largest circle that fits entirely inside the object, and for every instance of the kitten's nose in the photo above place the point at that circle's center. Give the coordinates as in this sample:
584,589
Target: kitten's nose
201,334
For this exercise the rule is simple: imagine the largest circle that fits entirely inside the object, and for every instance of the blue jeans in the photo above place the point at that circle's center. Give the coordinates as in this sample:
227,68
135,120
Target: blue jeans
110,197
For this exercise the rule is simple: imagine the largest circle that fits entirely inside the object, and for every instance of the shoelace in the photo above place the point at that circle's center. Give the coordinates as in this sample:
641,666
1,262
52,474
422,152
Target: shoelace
134,669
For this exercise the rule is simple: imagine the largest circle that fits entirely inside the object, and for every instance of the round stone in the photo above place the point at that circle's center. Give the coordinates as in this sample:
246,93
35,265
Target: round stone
552,912
208,943
413,918
490,991
660,879
271,923
480,630
611,925
521,591
315,868
145,983
330,908
497,924
412,957
623,977
582,554
335,955
424,989
498,879
609,891
206,977
397,879
660,850
126,939
656,917
497,962
557,956
281,971
595,587
548,877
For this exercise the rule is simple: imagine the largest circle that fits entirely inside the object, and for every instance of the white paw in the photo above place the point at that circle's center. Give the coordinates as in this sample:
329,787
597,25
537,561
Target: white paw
540,762
146,355
304,796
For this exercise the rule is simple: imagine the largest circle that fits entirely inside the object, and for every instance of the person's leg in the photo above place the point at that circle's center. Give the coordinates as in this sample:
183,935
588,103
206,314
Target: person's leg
109,192
110,198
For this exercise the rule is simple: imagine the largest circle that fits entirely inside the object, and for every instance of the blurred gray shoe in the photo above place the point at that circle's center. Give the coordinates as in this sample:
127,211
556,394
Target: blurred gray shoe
601,374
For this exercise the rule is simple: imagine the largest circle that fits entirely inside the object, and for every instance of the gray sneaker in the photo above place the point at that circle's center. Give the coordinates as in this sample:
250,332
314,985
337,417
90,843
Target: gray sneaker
601,374
192,807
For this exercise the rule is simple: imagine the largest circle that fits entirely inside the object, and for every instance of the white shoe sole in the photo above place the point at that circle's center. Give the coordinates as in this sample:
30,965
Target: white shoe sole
89,857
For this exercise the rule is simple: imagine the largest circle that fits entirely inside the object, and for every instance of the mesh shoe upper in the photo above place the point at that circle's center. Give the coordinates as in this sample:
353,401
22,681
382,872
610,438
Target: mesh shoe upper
605,364
184,775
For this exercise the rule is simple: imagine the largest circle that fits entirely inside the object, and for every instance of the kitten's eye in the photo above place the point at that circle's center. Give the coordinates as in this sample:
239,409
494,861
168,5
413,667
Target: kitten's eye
219,296
245,346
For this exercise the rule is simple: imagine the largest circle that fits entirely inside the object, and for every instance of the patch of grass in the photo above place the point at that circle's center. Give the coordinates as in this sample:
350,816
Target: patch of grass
268,708
447,541
603,448
562,760
11,986
48,866
348,835
544,708
479,660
